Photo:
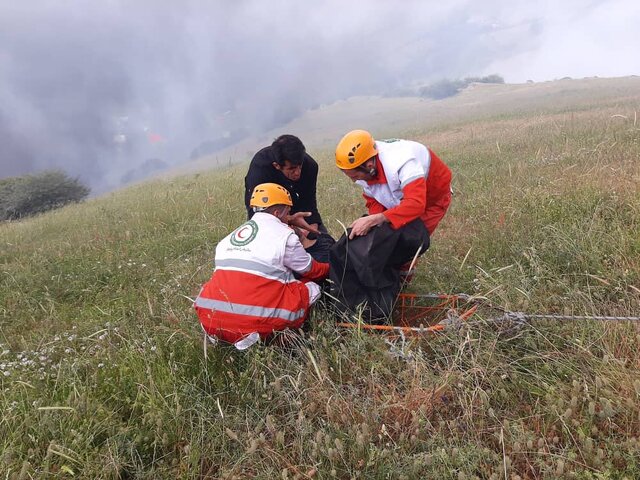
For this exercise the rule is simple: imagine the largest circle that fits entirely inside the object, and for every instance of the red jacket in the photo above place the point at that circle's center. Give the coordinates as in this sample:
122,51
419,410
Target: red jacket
427,199
252,289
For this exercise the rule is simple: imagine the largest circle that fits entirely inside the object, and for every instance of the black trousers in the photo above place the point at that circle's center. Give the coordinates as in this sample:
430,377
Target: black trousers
320,250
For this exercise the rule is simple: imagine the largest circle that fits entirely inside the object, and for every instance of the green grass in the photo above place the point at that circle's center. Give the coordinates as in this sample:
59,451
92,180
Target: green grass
104,374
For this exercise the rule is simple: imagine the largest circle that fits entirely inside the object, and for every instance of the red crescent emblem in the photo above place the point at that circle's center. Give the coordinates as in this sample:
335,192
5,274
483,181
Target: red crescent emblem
239,234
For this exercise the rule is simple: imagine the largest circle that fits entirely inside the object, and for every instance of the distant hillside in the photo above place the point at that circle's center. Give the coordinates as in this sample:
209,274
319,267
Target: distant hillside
323,127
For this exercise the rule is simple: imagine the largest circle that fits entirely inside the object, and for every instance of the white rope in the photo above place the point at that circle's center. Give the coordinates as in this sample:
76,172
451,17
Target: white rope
522,316
580,317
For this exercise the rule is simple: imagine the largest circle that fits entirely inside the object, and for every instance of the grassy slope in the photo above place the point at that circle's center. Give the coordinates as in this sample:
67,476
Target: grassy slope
545,218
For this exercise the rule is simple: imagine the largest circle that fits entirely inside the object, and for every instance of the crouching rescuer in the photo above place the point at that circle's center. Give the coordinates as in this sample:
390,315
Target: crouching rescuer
407,190
253,291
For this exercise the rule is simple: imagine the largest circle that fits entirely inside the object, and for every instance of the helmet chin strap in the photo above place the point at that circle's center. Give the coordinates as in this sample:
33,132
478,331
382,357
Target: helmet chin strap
373,171
281,215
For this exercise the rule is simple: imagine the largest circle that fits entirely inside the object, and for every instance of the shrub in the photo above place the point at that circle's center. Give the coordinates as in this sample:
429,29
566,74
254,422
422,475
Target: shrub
488,79
31,194
442,89
448,88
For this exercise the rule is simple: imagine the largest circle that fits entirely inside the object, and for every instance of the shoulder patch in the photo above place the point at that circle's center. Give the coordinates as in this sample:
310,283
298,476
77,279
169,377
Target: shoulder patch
244,234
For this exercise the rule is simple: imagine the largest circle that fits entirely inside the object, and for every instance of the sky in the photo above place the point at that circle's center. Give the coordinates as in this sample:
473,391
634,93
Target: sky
115,90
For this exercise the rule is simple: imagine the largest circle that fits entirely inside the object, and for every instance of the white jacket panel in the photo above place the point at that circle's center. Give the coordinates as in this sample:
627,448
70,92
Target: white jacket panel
258,247
403,161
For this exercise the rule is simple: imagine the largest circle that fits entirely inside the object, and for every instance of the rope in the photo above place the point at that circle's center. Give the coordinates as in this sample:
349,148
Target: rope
523,316
580,317
513,320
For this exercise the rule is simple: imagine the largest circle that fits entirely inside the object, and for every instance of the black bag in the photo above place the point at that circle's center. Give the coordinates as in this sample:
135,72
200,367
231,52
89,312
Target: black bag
364,272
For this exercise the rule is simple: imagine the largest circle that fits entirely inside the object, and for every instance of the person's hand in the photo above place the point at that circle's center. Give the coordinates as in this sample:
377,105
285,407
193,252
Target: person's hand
298,220
303,237
361,226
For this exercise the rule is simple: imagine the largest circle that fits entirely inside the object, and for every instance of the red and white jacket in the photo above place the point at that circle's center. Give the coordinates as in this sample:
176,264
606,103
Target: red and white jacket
412,183
253,288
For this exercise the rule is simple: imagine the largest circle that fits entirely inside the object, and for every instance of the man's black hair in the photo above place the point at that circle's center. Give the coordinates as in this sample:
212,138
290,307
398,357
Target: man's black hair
288,148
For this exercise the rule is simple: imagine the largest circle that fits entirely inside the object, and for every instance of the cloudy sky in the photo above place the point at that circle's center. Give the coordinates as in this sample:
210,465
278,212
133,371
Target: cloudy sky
110,90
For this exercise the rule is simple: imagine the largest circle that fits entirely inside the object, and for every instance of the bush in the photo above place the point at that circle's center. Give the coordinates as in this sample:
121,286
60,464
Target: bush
488,79
448,88
31,194
442,89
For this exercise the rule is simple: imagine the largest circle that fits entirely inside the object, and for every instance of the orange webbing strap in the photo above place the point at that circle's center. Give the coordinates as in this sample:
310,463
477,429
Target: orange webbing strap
410,300
392,328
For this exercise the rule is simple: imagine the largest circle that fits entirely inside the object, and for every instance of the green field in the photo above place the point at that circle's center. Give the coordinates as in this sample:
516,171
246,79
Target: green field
103,373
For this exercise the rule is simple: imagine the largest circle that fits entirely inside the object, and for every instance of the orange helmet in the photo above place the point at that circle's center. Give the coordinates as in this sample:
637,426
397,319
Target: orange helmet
355,148
268,194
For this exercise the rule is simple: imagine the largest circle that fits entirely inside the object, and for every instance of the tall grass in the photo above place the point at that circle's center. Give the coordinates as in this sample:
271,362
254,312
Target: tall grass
104,372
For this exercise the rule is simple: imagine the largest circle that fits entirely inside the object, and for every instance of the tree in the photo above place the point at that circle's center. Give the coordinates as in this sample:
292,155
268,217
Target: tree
31,194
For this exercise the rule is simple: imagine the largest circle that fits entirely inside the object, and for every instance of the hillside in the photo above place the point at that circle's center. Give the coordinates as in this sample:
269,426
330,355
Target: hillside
103,372
322,127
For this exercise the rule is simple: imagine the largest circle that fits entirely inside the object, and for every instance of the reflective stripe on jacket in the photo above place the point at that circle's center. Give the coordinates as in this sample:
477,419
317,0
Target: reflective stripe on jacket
251,290
408,170
405,161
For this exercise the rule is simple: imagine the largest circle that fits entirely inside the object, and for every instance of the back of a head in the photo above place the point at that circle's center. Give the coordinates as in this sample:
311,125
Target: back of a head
268,195
275,210
288,148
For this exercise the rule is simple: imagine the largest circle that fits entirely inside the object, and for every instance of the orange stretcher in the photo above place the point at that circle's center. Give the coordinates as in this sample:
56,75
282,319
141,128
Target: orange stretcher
417,314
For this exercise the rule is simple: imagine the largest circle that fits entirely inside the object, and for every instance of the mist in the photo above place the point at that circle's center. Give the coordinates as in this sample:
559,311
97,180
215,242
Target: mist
114,91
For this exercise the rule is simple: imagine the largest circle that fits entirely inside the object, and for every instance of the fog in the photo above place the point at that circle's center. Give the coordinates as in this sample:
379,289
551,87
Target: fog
113,91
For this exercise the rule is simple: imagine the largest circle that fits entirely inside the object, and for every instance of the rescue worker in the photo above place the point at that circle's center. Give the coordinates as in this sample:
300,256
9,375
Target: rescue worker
402,181
253,292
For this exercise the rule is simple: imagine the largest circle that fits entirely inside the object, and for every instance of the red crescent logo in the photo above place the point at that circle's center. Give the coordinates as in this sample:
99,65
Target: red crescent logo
245,234
239,234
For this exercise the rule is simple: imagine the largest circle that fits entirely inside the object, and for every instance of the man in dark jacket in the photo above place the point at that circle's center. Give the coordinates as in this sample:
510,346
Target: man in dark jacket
286,163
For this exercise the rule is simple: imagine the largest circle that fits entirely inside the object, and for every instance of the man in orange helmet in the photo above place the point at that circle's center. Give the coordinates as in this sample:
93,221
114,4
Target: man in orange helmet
402,180
405,185
253,291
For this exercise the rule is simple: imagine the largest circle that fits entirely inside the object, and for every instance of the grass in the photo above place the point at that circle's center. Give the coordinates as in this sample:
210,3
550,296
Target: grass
103,372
